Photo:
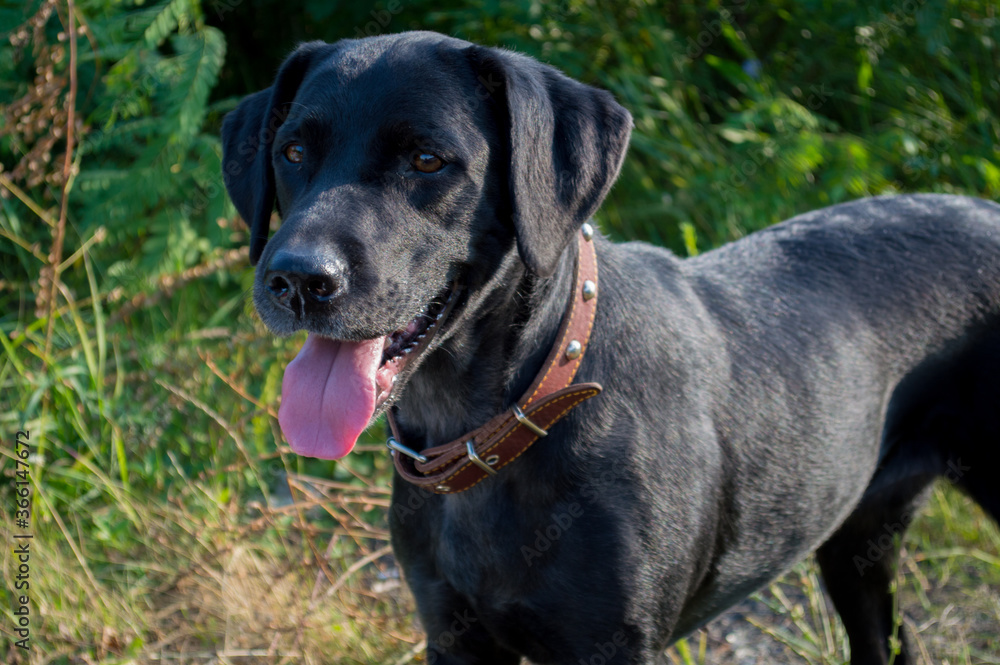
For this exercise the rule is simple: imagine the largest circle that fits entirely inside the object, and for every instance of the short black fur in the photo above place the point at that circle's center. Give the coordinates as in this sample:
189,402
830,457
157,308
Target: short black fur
792,392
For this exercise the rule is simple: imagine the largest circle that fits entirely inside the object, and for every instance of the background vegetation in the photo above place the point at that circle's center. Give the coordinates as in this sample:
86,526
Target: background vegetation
171,522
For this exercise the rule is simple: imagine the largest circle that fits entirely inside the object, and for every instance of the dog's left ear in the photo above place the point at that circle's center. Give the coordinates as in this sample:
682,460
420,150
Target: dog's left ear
567,144
247,136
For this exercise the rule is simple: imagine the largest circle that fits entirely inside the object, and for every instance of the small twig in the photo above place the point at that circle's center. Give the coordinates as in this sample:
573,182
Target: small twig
167,284
224,424
313,599
55,256
77,552
23,244
29,202
226,654
97,237
235,387
356,566
915,633
971,552
96,54
338,485
412,653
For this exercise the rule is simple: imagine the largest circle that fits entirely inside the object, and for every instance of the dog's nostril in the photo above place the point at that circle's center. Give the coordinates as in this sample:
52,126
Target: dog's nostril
303,283
320,288
278,286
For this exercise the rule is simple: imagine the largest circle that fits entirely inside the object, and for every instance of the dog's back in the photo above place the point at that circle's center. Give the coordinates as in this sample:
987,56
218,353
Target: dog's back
862,341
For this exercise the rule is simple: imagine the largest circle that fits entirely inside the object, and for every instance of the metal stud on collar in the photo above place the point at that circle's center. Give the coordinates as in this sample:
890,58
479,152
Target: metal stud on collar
589,290
588,231
573,350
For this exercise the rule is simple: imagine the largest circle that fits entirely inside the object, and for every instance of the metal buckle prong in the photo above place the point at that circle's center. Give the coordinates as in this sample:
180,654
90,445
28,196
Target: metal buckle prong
523,419
396,446
470,448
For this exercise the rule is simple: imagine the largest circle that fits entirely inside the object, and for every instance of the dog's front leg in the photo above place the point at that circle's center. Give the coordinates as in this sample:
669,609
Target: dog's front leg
455,636
459,639
475,647
455,633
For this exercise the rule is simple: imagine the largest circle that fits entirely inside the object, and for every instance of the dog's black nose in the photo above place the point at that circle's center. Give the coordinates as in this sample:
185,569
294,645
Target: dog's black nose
301,283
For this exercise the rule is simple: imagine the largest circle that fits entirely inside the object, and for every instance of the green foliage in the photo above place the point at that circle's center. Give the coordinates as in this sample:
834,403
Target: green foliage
747,114
150,390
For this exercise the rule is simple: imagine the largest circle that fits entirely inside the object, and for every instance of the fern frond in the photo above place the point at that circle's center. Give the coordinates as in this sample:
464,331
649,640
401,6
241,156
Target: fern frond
201,57
161,20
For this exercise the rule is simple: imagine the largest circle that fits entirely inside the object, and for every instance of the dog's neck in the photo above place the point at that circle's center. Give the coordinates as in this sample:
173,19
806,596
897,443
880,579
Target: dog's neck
492,357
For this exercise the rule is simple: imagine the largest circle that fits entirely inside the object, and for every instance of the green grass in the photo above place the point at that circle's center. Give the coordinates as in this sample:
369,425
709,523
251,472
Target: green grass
156,528
171,525
164,526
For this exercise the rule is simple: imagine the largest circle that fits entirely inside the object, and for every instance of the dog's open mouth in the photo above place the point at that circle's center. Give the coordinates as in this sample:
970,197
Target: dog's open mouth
332,389
402,346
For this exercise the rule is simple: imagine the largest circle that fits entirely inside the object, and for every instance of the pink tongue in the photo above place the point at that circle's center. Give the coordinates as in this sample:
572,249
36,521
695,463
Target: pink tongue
328,395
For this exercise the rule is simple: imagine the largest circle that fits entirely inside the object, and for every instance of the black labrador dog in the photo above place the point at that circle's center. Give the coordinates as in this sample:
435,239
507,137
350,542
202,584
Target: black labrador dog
792,392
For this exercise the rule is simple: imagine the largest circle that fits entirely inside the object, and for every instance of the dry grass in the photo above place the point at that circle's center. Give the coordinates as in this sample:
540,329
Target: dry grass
311,580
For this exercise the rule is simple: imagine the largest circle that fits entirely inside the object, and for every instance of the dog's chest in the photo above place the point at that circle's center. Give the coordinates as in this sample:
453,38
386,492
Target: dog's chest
479,545
489,570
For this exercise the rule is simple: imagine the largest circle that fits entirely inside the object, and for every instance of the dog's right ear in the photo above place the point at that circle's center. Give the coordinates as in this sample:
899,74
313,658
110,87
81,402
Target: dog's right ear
567,141
247,137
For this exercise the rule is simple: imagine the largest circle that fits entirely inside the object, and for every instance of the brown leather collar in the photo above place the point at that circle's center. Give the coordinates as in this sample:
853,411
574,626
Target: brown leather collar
470,459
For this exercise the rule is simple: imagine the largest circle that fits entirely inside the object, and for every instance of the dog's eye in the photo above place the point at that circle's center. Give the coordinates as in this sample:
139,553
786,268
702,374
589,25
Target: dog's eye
293,152
426,162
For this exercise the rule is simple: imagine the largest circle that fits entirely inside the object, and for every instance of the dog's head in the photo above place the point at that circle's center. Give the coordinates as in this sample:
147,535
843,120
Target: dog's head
403,168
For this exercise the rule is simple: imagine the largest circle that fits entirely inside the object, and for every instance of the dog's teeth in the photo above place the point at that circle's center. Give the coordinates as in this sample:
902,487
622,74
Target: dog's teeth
421,335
